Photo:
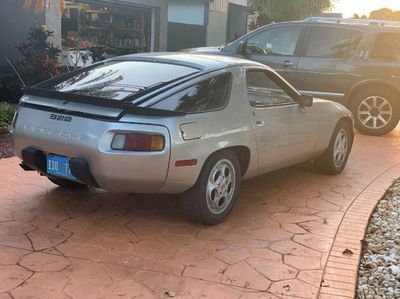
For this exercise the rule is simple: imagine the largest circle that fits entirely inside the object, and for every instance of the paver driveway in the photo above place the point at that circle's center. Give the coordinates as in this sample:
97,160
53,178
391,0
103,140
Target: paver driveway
93,244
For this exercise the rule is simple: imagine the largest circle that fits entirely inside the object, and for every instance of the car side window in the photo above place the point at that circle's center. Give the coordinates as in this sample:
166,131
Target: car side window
387,47
210,94
274,41
332,42
263,92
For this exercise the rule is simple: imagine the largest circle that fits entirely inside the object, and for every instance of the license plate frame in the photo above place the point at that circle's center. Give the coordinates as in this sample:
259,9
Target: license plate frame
58,166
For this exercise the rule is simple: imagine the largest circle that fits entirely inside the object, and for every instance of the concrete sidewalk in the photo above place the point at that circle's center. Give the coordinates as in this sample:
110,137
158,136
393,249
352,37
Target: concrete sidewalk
284,239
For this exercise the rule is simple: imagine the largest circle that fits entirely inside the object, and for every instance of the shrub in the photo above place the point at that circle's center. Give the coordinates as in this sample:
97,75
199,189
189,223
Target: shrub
39,56
6,114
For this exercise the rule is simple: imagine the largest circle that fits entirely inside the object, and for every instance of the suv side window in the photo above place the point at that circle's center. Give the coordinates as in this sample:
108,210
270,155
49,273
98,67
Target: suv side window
275,41
326,42
387,47
210,94
263,92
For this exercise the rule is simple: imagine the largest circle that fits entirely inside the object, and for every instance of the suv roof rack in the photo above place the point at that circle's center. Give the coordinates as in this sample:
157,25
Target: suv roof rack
349,21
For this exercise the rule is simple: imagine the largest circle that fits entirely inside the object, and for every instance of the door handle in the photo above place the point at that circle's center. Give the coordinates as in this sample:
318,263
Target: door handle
288,63
259,123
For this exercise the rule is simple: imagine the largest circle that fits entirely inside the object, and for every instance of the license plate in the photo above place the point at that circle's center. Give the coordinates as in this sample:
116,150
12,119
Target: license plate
59,166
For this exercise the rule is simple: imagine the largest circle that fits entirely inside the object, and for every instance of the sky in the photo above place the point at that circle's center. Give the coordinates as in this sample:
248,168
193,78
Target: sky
363,7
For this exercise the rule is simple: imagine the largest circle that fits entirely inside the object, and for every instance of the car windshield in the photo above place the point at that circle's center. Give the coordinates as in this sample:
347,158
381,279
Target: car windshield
117,80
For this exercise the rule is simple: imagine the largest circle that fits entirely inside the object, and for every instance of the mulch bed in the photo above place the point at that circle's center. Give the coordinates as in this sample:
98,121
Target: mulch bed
6,148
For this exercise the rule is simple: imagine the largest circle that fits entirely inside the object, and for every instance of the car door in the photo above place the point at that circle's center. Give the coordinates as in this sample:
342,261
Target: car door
277,47
326,68
285,132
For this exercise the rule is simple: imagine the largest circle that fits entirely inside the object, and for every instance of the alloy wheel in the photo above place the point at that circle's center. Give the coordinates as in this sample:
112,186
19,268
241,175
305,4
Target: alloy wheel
340,148
221,186
374,112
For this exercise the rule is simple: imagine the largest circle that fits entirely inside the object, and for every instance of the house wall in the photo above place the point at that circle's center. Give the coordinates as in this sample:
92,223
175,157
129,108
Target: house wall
218,20
239,2
14,26
226,17
186,12
53,22
186,24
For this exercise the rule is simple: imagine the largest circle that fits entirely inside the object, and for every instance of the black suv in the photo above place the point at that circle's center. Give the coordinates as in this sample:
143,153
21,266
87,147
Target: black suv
354,62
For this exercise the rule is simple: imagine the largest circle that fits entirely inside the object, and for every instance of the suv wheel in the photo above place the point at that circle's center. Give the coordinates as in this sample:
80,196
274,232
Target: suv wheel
375,112
213,196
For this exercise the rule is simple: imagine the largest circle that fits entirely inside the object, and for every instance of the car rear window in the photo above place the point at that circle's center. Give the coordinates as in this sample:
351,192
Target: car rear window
119,79
207,95
387,47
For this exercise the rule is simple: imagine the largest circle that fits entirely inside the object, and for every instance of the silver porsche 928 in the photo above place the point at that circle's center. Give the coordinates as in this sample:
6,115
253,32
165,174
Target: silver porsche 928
176,123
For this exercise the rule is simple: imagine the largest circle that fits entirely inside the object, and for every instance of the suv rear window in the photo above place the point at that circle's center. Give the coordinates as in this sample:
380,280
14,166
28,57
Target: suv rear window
387,47
332,42
210,94
118,79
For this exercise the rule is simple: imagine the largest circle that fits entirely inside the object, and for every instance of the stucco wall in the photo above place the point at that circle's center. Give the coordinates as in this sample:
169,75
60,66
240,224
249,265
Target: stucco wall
14,26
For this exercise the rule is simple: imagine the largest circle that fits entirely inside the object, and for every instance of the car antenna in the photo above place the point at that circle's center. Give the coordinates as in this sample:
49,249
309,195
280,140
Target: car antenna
15,70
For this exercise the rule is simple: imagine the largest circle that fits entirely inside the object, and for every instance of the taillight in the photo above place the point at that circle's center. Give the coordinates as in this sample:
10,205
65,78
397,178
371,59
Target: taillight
138,142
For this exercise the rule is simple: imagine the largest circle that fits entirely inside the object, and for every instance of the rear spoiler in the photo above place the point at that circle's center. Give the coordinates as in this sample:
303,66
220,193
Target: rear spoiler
103,102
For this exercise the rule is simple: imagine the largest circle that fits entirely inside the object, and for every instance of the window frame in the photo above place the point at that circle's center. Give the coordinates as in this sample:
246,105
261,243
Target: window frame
276,78
299,45
200,79
327,26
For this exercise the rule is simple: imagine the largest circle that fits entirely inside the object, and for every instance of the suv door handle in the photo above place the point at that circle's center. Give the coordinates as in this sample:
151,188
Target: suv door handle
288,63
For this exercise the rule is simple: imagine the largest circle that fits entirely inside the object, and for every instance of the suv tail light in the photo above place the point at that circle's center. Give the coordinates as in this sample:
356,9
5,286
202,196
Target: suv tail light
138,142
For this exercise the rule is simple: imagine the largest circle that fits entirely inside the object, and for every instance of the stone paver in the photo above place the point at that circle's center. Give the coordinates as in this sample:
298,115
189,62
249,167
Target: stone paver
288,237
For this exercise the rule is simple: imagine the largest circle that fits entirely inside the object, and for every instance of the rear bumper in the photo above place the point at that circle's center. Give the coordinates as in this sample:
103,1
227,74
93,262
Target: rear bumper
87,143
36,160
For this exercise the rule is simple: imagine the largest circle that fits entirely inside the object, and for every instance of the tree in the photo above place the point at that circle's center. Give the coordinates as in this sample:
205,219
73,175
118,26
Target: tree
288,10
41,5
385,14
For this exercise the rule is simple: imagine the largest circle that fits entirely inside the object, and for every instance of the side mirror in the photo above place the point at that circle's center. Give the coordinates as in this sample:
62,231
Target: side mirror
305,101
241,49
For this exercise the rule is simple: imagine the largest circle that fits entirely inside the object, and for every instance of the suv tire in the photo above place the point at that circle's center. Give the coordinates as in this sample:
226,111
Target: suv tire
376,111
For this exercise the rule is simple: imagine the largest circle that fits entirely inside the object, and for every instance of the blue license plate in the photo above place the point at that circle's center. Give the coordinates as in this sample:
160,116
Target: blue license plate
59,166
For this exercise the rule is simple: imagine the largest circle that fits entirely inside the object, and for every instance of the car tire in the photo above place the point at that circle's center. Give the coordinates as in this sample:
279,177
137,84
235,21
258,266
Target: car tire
66,184
376,111
213,196
334,159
